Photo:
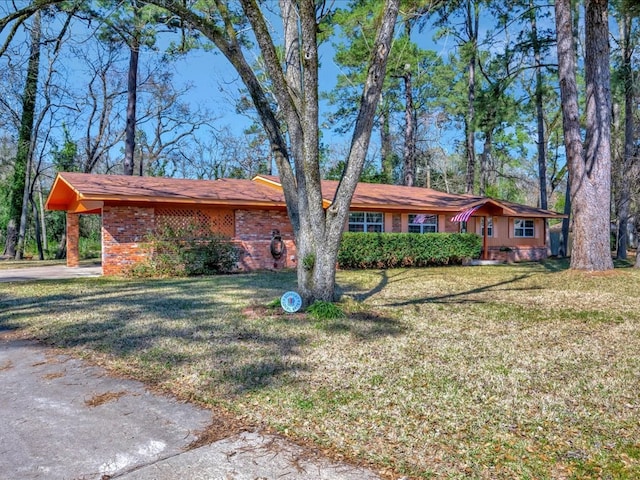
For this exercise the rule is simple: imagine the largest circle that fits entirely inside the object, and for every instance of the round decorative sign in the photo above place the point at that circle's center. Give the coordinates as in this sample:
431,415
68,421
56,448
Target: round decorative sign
291,302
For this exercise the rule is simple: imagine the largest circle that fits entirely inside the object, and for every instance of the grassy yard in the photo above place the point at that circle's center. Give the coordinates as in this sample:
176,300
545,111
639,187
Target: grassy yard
496,372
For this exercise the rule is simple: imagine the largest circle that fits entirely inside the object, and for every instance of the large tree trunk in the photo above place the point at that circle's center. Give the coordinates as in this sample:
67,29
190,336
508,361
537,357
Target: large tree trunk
542,146
386,147
24,213
485,163
319,282
589,168
36,220
294,86
132,93
624,203
566,222
19,194
470,120
11,239
410,122
43,223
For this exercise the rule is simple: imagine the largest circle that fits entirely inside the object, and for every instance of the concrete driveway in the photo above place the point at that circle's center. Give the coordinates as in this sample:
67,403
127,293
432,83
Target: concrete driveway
51,272
65,419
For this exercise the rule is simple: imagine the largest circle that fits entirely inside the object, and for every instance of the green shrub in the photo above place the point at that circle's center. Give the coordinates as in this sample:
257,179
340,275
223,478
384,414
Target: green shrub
187,252
389,250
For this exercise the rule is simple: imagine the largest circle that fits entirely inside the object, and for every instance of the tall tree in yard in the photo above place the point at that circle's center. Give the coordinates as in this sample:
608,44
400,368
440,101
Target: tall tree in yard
293,77
133,24
625,14
589,164
21,166
467,35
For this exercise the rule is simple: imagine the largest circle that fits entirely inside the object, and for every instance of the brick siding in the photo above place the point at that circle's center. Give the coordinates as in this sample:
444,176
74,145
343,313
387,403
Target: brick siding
73,240
517,254
254,232
124,229
123,235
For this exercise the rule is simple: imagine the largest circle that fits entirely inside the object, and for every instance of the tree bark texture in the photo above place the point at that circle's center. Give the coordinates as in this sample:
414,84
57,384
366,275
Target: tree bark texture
472,23
132,94
624,203
541,144
386,146
294,87
486,167
410,122
19,188
589,167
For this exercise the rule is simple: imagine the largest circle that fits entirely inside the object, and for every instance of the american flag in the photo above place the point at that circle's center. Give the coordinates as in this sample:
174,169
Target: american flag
465,214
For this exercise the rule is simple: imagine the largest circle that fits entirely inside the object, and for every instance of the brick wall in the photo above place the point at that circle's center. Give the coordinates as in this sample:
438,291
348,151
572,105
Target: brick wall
123,235
73,240
124,229
518,254
254,233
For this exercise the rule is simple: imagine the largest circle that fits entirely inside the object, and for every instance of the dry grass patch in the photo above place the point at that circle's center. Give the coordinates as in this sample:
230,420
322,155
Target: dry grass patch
102,398
6,365
525,371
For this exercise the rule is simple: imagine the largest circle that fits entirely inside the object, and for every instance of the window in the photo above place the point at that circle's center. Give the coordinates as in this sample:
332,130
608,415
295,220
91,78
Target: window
523,228
366,222
490,226
420,223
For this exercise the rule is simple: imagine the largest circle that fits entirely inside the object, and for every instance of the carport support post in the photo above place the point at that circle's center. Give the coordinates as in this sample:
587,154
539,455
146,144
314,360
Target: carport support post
73,240
485,238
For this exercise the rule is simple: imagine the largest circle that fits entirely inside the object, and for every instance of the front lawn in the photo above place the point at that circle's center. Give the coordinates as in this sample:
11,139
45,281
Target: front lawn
496,372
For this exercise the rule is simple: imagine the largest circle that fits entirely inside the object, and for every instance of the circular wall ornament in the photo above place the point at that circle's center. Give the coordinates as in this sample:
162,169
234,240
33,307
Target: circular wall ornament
291,302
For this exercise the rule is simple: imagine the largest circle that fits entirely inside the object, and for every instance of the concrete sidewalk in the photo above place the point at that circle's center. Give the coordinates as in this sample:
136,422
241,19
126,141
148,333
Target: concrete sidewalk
65,419
51,272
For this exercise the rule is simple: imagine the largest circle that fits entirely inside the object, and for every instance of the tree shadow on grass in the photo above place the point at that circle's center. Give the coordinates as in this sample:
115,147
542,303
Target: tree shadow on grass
466,296
162,328
364,326
386,278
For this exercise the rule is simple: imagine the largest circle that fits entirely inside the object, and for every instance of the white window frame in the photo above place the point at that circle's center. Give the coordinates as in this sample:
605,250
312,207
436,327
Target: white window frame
430,225
490,223
369,222
524,228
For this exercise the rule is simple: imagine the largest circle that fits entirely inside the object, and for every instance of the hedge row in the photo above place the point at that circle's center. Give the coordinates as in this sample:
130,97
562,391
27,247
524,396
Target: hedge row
388,250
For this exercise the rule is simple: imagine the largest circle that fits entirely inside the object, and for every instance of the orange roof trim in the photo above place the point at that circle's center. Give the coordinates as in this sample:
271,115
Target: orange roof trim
87,193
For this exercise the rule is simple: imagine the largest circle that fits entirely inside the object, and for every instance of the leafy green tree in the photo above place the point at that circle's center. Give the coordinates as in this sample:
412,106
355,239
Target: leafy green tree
407,86
461,19
65,157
